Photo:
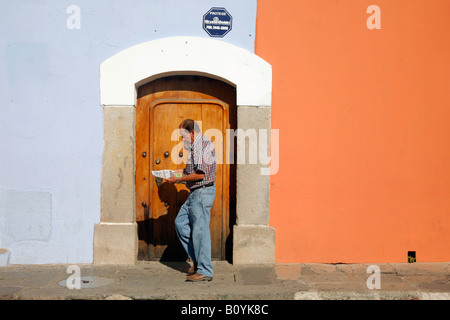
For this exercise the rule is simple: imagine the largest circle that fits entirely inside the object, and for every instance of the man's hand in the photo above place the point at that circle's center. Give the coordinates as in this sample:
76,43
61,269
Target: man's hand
172,179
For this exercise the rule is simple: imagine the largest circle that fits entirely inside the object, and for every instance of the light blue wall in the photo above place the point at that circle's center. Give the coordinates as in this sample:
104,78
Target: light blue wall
51,122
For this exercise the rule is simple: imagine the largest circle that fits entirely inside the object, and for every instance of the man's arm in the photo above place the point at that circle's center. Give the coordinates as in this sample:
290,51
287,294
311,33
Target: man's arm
199,175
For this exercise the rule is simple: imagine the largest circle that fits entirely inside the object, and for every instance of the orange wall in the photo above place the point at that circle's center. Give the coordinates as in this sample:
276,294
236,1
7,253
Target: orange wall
364,119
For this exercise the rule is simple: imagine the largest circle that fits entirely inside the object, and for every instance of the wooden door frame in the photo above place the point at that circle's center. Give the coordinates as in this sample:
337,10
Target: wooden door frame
115,236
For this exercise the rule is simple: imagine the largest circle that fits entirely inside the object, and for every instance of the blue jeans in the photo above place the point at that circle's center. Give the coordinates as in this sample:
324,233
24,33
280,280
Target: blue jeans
192,226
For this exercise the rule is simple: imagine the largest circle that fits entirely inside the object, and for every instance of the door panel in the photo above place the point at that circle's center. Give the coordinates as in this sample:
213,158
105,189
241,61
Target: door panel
212,120
164,197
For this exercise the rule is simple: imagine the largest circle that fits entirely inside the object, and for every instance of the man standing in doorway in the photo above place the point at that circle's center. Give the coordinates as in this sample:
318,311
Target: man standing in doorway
192,221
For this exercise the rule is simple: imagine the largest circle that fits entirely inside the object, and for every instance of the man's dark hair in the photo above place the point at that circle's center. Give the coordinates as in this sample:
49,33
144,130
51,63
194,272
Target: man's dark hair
189,125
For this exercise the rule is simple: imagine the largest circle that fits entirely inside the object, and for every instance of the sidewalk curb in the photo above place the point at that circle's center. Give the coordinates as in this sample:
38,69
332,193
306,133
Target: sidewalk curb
376,295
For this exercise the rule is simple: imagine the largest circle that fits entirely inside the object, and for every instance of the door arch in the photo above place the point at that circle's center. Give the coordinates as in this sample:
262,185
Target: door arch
116,235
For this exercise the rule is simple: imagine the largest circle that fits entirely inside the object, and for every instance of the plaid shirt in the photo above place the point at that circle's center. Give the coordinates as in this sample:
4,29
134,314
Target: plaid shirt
202,157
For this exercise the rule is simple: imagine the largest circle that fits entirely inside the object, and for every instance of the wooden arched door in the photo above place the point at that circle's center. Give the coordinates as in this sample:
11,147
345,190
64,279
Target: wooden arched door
162,105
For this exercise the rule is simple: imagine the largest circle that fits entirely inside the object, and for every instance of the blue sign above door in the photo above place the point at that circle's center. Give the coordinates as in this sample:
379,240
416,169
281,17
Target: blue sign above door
217,22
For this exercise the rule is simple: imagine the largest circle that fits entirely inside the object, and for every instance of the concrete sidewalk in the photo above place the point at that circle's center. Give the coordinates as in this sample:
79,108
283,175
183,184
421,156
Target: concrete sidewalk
166,281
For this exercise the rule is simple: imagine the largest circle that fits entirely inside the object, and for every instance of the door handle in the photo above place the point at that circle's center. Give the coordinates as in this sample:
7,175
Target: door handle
158,161
166,154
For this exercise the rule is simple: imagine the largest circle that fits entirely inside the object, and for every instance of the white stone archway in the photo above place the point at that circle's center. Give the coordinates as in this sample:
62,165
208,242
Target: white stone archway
115,237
